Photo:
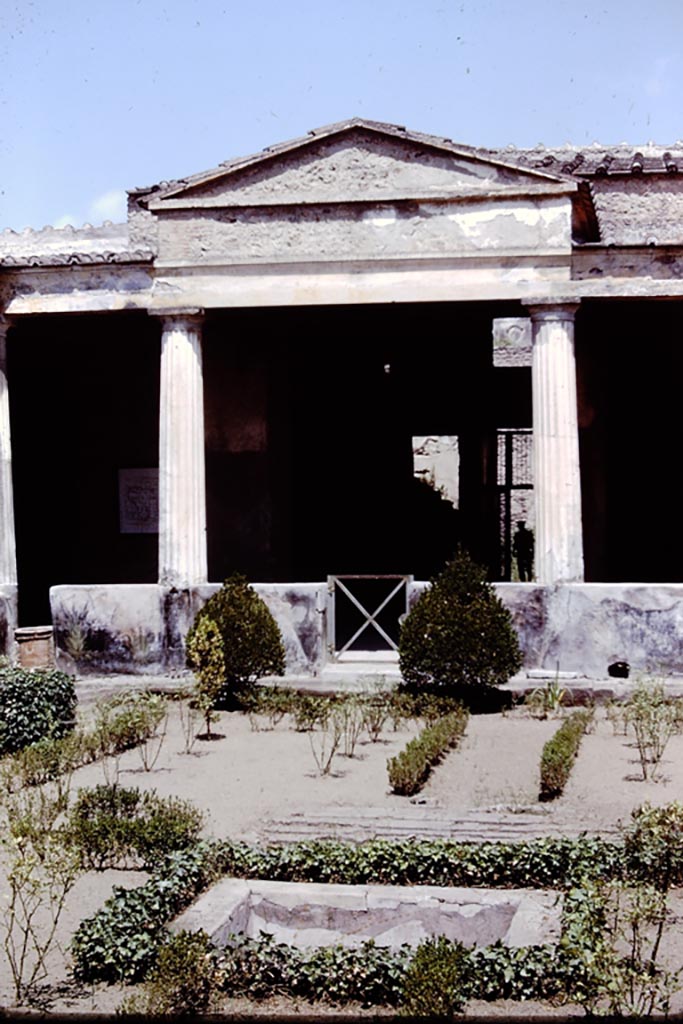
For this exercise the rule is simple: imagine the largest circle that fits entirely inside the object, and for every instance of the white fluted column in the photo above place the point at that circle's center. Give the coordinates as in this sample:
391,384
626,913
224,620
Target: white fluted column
8,552
182,487
557,482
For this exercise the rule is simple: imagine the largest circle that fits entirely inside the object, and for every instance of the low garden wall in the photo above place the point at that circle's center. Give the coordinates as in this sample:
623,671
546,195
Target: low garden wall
585,627
140,628
578,627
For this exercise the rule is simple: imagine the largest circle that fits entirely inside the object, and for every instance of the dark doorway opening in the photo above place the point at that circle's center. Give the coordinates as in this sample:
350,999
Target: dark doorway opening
315,475
84,404
630,365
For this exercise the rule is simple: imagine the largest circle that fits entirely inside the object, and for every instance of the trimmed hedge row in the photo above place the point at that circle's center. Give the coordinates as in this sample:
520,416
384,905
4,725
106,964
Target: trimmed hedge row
559,754
376,975
120,942
410,769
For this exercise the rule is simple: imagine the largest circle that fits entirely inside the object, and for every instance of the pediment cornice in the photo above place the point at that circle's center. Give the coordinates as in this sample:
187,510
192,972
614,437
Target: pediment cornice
355,161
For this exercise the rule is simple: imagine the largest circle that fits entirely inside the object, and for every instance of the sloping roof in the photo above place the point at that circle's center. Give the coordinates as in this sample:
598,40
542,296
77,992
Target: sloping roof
650,218
74,258
69,246
596,160
546,163
444,146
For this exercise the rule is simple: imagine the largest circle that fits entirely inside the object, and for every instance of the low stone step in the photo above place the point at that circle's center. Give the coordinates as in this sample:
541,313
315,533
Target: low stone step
473,826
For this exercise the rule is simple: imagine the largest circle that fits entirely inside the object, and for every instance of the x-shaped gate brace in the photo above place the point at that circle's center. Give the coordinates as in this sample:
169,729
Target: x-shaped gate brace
370,617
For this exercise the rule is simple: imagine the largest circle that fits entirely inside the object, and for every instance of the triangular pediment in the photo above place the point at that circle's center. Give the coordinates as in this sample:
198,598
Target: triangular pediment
354,161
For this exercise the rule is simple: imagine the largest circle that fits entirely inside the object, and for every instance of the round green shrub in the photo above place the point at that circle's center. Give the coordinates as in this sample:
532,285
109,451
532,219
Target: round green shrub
183,982
250,637
436,981
34,704
458,634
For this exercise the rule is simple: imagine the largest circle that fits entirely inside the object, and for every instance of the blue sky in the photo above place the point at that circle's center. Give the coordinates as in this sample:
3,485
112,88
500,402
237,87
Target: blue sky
97,96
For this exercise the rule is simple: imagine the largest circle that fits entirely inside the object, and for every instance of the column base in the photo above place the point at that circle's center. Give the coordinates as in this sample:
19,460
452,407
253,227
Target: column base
8,620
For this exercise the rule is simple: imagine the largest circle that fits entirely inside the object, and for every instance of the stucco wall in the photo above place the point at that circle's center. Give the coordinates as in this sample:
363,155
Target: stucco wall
585,627
581,627
639,211
402,229
140,628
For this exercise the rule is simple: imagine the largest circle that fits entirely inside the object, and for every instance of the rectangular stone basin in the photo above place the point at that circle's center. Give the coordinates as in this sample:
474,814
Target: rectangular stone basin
308,914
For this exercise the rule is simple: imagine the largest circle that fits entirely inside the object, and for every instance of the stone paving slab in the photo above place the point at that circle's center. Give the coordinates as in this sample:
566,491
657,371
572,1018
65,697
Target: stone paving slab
579,689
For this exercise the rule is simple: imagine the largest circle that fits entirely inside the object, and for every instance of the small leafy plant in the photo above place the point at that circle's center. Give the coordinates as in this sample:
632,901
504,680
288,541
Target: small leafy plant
117,827
190,717
615,713
266,703
436,980
653,719
206,655
653,845
123,722
184,981
350,714
40,863
610,950
545,700
326,737
154,714
375,714
307,711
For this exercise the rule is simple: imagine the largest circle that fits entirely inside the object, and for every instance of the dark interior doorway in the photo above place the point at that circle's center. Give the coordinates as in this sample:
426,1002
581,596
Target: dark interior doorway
84,404
321,480
630,365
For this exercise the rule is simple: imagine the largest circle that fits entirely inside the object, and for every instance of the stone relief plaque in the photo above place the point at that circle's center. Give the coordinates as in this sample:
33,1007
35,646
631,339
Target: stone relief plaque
139,500
512,341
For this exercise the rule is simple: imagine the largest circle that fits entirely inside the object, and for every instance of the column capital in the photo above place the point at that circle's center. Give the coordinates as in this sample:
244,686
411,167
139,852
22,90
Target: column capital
540,311
177,315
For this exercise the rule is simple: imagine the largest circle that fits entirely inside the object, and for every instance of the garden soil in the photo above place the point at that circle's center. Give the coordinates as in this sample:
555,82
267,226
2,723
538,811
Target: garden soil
251,783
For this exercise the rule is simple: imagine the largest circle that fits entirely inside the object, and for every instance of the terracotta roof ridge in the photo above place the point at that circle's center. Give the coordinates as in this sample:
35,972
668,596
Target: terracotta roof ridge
76,258
67,229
